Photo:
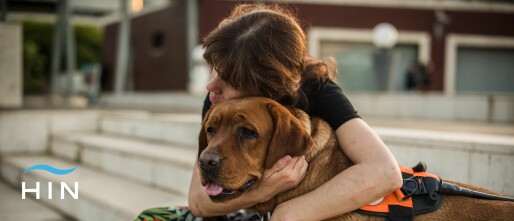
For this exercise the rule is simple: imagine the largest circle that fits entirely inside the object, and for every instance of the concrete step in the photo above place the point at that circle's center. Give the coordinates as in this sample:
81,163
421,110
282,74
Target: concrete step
28,131
441,125
478,159
465,157
447,140
154,101
14,208
179,129
100,195
160,165
428,106
184,129
487,107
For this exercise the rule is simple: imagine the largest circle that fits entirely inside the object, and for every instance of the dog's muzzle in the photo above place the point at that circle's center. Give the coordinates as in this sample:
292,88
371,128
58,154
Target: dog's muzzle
210,162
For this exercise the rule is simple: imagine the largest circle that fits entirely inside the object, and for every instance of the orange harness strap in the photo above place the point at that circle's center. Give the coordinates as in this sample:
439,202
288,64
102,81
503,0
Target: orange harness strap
418,195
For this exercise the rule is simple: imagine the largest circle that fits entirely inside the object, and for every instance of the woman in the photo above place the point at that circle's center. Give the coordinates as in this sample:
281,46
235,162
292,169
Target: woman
261,51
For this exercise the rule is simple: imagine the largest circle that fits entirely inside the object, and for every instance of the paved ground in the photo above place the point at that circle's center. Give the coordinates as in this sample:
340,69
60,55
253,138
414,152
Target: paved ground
14,208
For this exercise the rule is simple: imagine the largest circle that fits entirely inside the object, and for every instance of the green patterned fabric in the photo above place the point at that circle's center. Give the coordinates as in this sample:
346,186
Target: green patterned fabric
181,214
165,214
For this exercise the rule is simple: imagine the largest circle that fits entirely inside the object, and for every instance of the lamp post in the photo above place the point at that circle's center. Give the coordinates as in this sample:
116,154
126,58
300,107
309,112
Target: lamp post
385,37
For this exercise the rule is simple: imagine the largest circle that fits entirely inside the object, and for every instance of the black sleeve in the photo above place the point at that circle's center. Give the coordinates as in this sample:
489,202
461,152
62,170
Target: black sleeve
206,106
330,104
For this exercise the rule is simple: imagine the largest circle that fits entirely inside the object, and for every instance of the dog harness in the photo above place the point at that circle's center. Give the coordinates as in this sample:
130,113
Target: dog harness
418,195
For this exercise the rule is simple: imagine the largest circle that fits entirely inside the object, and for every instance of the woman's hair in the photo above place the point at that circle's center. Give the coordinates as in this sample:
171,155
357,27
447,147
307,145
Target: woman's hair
261,50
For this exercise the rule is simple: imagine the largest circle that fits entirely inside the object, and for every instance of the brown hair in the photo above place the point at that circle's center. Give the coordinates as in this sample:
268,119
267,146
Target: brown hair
261,50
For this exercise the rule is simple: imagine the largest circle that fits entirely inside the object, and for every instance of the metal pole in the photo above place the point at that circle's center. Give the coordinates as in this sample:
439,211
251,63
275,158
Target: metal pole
192,31
70,48
57,48
3,10
123,48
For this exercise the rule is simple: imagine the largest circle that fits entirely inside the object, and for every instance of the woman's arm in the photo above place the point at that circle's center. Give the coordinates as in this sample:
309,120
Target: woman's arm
285,174
375,174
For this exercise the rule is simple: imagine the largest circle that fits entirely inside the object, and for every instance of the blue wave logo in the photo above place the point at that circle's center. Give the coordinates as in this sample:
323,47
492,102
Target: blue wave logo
50,169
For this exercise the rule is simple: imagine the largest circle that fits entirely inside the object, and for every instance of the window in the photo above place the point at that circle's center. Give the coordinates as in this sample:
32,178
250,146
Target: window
485,69
476,63
362,66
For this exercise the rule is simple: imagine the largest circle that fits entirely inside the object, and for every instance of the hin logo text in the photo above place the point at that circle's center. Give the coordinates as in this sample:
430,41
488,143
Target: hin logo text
74,193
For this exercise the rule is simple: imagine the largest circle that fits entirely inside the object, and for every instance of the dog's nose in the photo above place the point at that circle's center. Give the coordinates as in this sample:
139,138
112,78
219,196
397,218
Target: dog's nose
210,161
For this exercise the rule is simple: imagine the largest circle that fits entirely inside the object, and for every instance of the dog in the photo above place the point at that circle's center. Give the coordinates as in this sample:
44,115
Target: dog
240,138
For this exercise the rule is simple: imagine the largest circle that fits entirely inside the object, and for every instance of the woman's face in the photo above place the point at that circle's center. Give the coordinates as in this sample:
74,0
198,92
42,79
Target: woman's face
219,90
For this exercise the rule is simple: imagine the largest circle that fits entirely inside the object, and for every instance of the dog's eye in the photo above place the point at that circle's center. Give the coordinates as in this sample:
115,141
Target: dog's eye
246,133
210,131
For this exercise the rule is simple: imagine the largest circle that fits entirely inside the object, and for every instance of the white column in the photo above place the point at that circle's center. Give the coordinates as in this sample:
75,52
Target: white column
10,66
122,55
192,33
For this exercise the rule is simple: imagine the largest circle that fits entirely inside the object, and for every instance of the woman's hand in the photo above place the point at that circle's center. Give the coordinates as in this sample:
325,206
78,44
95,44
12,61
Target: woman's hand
285,174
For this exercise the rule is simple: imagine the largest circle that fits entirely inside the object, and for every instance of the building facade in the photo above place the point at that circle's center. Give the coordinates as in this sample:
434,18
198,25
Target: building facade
465,47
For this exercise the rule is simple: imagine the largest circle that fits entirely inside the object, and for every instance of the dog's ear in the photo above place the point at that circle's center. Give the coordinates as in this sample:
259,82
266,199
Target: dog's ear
202,138
290,137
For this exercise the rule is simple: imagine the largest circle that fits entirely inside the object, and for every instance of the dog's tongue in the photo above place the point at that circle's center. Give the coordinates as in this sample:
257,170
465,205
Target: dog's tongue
213,189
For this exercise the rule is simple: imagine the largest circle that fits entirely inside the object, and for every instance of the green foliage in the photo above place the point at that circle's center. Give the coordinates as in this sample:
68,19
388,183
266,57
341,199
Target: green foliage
37,52
89,42
36,56
33,68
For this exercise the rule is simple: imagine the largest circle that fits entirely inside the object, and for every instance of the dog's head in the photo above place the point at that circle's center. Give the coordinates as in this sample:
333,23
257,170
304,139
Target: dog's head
241,138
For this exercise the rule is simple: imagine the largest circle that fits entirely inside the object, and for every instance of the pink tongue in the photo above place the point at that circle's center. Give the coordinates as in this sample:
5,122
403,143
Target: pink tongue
213,189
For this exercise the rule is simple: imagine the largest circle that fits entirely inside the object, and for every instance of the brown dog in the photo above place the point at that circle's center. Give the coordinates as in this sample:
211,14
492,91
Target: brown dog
241,138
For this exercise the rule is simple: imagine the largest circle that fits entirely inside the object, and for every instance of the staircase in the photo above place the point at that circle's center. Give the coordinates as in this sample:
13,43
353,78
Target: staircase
129,161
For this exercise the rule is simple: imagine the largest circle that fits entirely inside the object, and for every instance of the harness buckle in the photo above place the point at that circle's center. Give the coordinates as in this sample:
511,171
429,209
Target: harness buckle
421,183
409,187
